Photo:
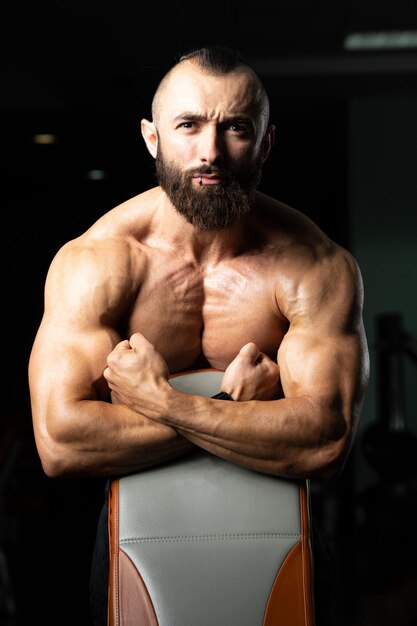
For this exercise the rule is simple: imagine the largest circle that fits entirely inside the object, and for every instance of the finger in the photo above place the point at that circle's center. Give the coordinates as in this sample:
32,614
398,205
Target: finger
250,351
137,341
264,358
117,352
122,345
269,366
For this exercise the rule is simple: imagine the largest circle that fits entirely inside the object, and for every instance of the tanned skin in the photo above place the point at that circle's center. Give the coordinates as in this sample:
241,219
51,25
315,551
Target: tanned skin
144,293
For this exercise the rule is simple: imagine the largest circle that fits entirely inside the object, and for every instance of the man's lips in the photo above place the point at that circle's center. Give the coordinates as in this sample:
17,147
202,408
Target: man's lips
209,179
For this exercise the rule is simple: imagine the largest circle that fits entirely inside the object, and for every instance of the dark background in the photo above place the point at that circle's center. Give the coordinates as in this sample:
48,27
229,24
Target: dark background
85,71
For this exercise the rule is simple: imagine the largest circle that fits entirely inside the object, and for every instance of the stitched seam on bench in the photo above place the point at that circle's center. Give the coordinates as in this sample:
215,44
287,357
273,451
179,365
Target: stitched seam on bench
213,537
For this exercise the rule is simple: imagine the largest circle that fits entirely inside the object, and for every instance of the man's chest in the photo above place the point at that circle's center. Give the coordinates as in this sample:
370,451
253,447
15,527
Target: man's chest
197,318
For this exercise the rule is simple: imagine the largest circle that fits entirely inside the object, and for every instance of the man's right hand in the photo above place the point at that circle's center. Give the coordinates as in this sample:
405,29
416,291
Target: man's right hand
252,375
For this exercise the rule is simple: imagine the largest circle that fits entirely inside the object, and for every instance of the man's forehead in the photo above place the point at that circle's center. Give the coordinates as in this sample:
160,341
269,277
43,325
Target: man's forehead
190,88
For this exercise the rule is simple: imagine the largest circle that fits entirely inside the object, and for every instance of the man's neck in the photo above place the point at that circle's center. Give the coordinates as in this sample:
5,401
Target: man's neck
206,247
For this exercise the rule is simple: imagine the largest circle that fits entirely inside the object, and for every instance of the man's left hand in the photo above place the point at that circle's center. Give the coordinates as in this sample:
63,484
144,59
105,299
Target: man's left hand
252,375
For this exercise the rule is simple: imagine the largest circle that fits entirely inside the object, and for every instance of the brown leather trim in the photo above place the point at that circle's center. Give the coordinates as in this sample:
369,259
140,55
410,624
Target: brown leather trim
308,566
135,605
129,601
291,601
113,530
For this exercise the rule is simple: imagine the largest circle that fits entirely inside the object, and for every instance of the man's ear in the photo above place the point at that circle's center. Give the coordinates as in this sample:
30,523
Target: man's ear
150,136
268,141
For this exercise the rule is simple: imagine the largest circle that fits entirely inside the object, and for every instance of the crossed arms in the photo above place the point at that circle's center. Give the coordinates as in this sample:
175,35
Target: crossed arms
308,430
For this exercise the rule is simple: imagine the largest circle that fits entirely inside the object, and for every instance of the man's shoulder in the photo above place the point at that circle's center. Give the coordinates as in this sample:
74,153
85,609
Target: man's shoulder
130,217
289,228
304,251
119,229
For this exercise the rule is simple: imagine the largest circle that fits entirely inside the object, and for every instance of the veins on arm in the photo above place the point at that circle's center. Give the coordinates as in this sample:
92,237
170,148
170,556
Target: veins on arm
324,355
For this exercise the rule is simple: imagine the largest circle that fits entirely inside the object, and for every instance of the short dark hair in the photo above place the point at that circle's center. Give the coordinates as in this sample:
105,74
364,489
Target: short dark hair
215,58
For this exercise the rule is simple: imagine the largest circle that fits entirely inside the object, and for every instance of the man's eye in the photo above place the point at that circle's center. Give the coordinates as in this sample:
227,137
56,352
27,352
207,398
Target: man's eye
239,128
186,125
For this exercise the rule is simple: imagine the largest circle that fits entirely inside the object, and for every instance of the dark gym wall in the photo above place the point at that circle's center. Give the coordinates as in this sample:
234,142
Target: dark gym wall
383,226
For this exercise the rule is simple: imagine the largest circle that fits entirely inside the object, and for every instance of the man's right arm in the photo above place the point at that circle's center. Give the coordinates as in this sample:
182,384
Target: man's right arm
78,431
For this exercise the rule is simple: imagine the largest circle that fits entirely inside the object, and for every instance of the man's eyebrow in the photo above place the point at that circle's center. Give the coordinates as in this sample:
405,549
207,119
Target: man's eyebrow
200,117
190,115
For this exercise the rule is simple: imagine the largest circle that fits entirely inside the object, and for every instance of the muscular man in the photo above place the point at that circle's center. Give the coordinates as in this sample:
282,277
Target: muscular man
201,271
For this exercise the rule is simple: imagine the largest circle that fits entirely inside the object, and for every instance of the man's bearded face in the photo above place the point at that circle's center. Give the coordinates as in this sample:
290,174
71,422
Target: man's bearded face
210,207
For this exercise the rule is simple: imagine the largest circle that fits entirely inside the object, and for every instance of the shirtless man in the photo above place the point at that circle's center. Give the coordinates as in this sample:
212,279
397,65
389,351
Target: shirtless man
201,271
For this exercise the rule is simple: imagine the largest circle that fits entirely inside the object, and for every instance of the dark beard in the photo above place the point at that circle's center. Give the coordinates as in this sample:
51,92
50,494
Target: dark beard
210,207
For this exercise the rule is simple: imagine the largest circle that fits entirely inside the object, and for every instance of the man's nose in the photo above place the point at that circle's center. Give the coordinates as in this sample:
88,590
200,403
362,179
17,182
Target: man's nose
210,146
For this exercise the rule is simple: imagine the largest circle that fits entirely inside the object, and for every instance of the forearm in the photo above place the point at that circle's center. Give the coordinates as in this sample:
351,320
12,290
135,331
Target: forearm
307,433
292,437
94,438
